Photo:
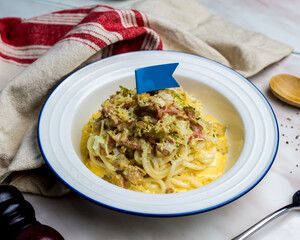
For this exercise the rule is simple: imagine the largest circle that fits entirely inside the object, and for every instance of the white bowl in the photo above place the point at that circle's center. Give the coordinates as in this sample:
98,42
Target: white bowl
231,98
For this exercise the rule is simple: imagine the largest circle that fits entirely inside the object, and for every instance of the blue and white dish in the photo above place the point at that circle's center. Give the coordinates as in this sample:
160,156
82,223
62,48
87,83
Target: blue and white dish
225,94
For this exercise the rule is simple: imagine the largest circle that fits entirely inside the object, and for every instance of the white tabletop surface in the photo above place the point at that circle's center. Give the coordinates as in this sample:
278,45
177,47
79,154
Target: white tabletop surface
77,219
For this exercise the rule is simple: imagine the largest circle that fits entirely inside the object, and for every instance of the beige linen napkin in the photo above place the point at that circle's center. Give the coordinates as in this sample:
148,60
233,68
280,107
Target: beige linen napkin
187,26
26,81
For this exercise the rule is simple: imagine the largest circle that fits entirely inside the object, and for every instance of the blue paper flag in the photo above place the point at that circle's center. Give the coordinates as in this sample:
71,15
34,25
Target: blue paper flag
155,77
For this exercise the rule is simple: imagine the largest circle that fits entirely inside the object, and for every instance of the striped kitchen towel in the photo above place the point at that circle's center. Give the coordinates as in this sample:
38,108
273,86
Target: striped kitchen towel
23,41
37,53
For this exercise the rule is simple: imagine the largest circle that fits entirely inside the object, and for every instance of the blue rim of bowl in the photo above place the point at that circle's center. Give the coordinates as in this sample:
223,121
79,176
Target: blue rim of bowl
173,214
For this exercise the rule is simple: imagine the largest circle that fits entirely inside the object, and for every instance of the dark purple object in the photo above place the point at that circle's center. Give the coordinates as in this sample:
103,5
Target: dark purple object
17,218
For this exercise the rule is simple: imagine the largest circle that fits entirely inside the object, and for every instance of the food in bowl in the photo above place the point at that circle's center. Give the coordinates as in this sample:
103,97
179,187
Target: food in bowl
157,142
252,131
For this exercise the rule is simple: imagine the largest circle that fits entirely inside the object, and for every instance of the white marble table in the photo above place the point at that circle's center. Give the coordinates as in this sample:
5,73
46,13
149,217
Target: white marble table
77,219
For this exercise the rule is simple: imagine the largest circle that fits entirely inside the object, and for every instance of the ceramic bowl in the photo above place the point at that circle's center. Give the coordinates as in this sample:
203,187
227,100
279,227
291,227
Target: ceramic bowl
225,94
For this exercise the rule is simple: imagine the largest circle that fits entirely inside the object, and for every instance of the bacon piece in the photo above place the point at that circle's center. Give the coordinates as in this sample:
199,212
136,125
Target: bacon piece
151,140
172,110
189,112
126,142
124,182
133,174
111,141
131,145
109,112
197,130
169,190
159,112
